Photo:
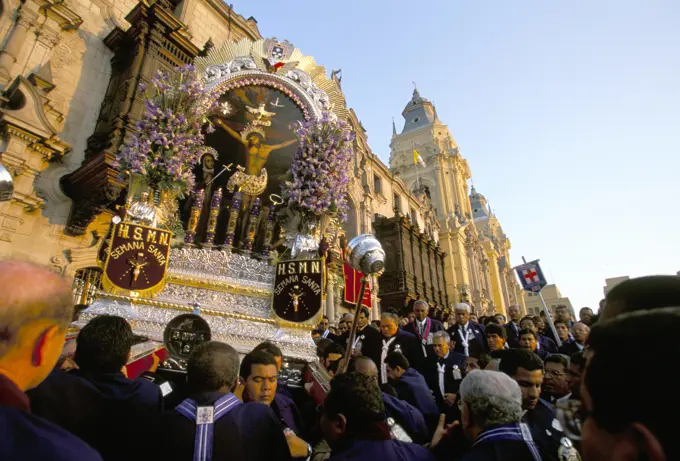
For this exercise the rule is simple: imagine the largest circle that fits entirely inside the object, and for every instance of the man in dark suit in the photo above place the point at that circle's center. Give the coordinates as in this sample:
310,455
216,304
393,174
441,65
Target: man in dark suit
466,331
576,341
214,419
411,387
512,327
544,343
423,328
103,348
406,415
526,368
368,341
354,424
528,341
444,372
35,311
394,339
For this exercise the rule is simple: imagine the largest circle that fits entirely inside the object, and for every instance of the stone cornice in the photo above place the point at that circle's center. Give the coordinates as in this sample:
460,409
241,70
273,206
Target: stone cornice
61,13
247,25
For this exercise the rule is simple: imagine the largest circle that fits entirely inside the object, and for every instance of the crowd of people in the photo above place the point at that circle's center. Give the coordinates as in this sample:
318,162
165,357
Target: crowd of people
416,387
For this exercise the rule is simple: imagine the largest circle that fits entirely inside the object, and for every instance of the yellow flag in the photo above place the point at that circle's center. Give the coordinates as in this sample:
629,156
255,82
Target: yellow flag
418,159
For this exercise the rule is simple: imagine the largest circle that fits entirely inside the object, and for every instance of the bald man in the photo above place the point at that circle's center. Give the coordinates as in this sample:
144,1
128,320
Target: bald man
35,311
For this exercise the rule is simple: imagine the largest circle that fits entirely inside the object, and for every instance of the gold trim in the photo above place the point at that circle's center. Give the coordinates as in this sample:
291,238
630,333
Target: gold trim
218,285
186,308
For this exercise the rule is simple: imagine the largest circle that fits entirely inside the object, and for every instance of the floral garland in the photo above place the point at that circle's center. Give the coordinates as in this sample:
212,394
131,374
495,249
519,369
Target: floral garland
168,142
319,173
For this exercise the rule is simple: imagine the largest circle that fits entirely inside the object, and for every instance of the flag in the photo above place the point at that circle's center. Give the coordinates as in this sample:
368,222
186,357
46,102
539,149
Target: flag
418,159
353,285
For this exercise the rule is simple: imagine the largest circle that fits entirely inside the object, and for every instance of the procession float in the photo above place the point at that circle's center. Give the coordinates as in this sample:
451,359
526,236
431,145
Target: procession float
237,179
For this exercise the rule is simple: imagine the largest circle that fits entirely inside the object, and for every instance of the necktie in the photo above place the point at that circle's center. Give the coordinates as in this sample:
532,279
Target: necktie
383,356
441,368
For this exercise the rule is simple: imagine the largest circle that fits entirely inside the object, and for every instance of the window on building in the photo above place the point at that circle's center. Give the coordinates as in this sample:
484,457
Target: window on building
416,120
397,202
377,184
414,216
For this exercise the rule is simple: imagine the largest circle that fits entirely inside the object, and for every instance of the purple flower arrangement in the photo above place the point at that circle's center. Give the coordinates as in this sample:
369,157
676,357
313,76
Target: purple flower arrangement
168,141
319,174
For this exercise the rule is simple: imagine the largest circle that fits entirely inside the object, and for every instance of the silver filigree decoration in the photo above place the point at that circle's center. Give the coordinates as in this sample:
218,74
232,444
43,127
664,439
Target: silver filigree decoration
243,335
222,266
216,72
305,81
217,300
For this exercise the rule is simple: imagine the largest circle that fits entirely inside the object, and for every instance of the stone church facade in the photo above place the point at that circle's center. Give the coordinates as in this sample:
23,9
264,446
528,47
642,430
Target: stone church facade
478,265
69,76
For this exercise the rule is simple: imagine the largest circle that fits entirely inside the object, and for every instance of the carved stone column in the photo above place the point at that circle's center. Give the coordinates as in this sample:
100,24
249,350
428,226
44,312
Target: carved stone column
330,299
17,39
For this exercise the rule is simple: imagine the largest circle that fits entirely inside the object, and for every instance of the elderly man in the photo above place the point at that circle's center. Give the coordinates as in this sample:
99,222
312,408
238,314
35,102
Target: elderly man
466,331
491,410
424,329
35,311
444,372
577,341
393,339
512,327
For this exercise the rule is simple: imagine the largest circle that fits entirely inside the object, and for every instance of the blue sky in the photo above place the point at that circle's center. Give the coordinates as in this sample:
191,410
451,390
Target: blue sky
567,112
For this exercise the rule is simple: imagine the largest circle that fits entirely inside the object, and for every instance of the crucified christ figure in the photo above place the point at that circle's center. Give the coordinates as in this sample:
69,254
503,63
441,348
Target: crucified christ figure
257,153
137,264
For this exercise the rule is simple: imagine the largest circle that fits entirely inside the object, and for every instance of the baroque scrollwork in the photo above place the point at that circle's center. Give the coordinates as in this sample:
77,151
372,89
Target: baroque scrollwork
305,81
218,300
221,265
216,72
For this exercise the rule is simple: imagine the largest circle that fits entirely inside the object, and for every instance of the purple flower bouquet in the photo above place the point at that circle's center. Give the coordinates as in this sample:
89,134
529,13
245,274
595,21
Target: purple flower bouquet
168,141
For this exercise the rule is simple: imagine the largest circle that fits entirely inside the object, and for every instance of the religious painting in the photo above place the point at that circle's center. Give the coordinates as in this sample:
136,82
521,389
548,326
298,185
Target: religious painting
252,130
254,140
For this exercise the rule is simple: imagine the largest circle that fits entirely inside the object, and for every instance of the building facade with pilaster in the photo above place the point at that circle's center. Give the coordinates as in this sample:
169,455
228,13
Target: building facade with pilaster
477,261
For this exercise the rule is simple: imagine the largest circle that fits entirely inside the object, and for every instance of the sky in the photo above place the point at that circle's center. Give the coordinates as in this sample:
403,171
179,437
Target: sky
567,112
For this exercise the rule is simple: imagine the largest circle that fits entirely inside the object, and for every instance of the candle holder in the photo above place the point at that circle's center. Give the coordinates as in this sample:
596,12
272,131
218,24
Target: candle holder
233,218
275,200
252,225
194,217
212,219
